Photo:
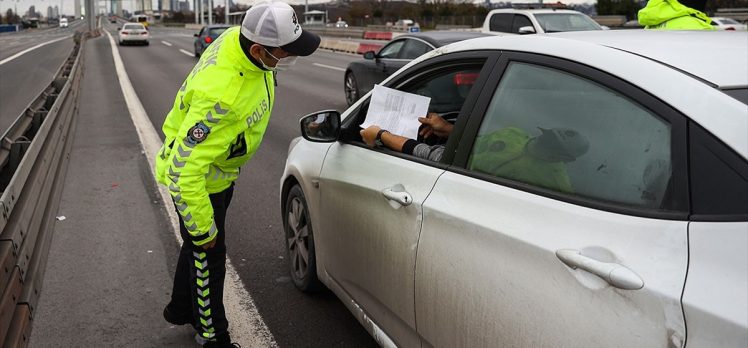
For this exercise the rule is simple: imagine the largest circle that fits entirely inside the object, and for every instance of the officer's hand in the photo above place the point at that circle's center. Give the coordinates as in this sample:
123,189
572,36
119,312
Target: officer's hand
436,125
207,246
369,135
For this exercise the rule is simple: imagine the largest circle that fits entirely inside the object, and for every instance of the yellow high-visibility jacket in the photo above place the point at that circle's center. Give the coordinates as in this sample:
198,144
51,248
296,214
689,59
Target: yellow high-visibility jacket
215,126
672,15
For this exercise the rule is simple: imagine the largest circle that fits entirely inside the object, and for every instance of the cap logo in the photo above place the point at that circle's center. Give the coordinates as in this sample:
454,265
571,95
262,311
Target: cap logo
295,22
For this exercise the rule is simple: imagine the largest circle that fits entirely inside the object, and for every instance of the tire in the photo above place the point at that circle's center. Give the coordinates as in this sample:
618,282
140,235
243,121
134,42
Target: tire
197,55
297,227
351,88
121,43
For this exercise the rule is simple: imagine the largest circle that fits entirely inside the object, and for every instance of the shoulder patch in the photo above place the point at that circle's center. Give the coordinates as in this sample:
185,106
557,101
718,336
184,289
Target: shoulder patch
198,133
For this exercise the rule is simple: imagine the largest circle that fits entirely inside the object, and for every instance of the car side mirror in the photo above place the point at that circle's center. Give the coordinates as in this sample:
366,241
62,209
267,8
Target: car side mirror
370,55
526,30
196,35
321,126
119,28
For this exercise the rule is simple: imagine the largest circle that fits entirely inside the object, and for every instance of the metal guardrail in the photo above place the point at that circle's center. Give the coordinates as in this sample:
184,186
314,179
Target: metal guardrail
34,154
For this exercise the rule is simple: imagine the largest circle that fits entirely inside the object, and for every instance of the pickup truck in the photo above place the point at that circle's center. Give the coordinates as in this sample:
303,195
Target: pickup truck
537,21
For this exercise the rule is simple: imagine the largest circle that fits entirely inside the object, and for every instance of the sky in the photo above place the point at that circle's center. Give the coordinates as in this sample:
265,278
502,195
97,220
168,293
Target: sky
67,5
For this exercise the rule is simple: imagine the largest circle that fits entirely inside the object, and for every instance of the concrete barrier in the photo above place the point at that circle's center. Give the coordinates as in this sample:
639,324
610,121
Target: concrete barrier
377,35
365,47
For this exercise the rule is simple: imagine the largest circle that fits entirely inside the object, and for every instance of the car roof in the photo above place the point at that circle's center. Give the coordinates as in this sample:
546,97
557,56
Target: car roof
537,10
694,52
439,38
213,26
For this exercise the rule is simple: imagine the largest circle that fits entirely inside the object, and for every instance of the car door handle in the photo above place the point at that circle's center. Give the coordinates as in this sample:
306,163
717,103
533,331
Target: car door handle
400,196
617,275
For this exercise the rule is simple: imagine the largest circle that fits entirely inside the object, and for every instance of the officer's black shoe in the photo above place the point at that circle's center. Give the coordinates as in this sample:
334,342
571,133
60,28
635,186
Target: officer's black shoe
211,344
176,319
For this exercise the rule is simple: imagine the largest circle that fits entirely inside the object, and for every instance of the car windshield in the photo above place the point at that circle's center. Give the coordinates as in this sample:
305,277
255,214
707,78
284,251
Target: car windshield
217,31
133,26
555,22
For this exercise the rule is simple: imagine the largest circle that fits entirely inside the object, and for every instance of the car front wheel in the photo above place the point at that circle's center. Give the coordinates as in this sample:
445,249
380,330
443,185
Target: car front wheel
351,88
300,242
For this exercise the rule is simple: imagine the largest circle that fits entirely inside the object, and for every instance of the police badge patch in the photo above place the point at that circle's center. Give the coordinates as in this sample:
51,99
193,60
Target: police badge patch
197,133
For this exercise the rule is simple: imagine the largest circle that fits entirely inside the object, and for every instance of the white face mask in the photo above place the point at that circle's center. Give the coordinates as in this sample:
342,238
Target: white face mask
282,63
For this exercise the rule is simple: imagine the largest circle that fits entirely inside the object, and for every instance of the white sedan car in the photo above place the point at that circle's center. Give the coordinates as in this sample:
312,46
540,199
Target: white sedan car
593,193
133,33
722,23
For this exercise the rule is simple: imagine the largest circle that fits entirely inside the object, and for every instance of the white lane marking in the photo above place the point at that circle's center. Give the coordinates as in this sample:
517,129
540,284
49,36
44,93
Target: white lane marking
187,52
329,67
166,43
247,326
31,49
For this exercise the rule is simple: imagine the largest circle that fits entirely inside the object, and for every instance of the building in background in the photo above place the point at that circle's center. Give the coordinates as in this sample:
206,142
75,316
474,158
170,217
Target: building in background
184,6
77,8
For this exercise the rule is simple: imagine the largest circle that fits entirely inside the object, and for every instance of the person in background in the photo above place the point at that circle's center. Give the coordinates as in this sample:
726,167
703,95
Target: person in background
675,15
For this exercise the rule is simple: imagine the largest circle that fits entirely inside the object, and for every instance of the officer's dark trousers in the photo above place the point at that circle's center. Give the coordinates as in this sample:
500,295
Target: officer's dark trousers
198,280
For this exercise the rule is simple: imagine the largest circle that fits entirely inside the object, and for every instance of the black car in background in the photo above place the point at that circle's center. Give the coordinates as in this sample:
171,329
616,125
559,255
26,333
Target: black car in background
362,75
208,34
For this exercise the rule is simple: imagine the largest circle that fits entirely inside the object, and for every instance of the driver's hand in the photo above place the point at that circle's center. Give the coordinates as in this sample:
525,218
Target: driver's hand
369,135
436,125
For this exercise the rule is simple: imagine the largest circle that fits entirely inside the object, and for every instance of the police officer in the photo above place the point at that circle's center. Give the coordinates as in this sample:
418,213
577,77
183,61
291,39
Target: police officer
674,15
216,124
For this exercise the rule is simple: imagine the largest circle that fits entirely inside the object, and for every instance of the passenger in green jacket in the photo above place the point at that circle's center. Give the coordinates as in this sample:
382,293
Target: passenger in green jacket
216,124
674,15
541,161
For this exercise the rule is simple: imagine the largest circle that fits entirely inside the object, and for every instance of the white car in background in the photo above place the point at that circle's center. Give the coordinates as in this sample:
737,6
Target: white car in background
521,235
63,22
133,33
722,23
537,21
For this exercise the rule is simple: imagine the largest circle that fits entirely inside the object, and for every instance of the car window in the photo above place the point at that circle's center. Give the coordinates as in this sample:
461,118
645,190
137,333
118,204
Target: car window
557,131
555,22
501,22
413,49
133,26
392,49
447,86
728,21
519,22
217,31
201,32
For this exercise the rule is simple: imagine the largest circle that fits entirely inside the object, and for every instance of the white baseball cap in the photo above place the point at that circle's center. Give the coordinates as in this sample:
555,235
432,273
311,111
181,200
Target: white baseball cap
274,24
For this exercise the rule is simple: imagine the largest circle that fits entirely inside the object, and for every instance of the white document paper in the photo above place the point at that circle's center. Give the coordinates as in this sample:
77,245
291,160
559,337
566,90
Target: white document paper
396,111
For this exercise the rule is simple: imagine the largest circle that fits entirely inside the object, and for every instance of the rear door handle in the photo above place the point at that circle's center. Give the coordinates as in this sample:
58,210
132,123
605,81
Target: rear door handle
617,275
398,194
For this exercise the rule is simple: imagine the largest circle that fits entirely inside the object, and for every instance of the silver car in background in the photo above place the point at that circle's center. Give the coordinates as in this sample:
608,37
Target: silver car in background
637,236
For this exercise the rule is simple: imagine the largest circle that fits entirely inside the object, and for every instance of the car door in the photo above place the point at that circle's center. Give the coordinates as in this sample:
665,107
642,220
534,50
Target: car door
199,41
714,299
368,239
562,222
380,68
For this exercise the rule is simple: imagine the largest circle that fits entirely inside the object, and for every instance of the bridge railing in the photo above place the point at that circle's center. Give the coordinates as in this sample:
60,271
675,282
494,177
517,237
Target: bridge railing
34,154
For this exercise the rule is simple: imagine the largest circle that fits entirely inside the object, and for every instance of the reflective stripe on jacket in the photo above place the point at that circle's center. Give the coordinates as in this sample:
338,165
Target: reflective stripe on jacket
672,15
216,124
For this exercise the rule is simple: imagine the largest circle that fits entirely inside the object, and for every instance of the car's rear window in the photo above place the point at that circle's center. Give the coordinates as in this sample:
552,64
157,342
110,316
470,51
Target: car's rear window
217,31
740,94
133,26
